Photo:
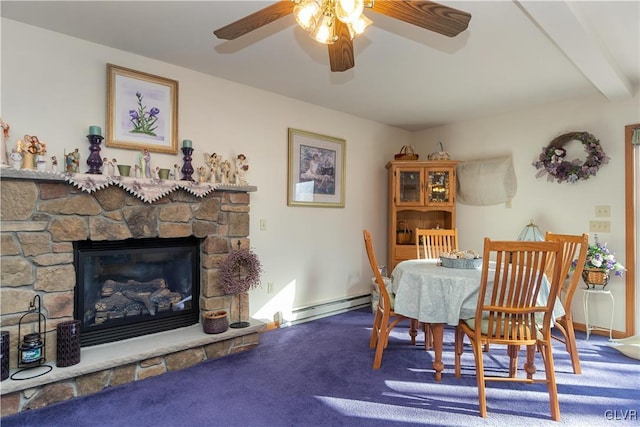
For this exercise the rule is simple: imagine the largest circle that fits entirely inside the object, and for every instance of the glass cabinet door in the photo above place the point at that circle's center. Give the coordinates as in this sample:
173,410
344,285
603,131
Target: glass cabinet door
409,187
439,187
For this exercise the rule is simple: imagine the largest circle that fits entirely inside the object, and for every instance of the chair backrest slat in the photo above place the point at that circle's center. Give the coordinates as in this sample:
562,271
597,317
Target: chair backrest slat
432,242
384,302
513,275
575,249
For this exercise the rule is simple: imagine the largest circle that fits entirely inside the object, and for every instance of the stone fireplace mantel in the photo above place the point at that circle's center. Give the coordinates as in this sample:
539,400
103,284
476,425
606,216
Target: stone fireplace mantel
42,214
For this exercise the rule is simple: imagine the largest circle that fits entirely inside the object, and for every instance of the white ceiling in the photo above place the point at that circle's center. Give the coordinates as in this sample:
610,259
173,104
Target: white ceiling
514,55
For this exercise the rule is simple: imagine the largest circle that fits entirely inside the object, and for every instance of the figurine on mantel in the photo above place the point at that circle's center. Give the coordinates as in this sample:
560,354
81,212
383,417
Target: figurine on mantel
242,166
225,168
114,167
213,161
144,160
136,171
16,159
202,174
3,147
72,161
105,169
54,164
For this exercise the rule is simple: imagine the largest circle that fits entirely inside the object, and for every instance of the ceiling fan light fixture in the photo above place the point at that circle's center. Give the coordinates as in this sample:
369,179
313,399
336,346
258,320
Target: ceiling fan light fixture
307,13
325,30
348,11
358,26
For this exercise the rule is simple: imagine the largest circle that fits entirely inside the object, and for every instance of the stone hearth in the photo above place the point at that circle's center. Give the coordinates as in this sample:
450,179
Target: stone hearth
39,221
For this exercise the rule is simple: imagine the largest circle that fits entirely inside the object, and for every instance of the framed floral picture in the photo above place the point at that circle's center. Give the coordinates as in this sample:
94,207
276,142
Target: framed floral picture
316,170
142,111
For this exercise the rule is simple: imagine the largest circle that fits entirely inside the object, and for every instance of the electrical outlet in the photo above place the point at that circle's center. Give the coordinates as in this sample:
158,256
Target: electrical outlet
263,224
269,287
603,211
600,226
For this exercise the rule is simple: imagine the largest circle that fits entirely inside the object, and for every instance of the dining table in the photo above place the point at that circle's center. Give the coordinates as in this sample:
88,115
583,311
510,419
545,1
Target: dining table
439,296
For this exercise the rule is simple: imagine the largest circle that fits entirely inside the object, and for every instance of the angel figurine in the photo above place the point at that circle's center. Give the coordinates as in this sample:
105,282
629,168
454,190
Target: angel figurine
105,169
225,167
114,167
202,174
213,161
54,164
144,160
242,166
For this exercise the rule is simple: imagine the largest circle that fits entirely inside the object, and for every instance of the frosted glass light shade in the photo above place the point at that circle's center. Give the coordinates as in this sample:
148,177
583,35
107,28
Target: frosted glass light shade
307,14
349,10
358,26
531,233
325,31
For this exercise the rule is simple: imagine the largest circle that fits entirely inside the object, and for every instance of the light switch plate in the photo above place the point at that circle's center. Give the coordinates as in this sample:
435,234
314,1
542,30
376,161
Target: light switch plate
600,226
603,211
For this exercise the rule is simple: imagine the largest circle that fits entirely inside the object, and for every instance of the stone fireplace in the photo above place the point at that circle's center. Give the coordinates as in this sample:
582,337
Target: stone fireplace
42,219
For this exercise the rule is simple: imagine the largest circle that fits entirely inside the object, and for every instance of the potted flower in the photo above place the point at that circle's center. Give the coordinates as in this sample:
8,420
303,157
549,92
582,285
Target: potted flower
599,264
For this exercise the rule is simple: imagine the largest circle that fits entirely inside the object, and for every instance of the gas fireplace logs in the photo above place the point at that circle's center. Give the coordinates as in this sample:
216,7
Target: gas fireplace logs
133,298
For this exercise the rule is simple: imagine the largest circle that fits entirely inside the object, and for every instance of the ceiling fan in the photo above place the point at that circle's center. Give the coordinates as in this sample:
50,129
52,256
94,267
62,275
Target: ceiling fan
337,22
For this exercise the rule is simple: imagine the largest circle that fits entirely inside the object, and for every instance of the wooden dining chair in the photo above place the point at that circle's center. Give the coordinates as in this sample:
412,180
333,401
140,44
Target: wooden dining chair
575,248
385,318
430,243
508,312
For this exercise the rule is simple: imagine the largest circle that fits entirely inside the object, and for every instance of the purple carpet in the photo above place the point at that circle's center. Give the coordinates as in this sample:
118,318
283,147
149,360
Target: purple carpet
319,374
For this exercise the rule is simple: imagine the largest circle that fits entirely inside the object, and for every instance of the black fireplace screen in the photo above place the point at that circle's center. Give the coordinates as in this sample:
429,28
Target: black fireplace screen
135,287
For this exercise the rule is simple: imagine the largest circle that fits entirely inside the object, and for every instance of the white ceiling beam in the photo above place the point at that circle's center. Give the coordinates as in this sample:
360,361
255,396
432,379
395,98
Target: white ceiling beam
571,33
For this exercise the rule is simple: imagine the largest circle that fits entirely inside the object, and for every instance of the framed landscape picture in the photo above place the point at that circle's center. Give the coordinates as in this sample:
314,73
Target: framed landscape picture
142,111
316,170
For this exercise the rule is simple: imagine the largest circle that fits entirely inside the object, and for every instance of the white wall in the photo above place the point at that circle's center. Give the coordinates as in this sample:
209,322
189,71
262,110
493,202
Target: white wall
562,208
54,86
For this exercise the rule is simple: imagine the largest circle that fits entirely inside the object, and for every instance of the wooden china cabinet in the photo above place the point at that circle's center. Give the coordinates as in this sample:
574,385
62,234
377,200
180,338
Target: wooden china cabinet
422,194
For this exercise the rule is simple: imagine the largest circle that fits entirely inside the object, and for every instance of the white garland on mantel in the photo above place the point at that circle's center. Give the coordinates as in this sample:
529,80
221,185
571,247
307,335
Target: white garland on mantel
148,190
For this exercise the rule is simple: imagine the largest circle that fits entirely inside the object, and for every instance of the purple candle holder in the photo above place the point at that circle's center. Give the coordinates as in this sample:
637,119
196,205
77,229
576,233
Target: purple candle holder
187,169
94,160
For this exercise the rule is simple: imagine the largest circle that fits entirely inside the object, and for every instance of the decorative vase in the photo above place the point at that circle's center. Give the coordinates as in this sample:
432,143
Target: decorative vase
595,277
215,322
124,170
29,161
4,344
163,174
41,163
68,343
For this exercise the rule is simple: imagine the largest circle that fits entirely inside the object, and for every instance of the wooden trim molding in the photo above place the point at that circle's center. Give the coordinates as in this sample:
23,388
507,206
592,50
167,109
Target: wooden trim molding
631,209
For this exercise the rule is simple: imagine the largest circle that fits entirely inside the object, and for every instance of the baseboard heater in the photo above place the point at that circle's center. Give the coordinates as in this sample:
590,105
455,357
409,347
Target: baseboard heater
330,308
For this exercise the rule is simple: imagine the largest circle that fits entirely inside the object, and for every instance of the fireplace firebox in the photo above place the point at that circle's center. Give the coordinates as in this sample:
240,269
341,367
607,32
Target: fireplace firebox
135,287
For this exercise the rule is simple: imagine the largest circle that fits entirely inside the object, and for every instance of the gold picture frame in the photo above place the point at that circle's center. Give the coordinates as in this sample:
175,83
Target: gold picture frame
316,176
142,111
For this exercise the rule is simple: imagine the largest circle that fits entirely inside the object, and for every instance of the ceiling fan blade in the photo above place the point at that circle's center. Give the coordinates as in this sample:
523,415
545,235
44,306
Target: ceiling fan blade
436,17
255,20
341,51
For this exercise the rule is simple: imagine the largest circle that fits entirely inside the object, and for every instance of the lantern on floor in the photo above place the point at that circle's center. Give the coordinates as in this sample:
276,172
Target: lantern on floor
32,345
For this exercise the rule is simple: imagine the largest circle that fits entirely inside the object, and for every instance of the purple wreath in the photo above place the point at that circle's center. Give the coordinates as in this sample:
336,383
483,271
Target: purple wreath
552,159
240,272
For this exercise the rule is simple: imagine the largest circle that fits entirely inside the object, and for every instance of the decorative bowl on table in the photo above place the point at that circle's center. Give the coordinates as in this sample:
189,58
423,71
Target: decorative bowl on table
461,259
